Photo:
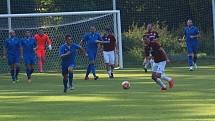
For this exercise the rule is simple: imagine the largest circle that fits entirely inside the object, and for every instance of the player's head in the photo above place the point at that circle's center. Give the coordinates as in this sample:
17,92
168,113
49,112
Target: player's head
40,31
12,33
68,39
92,29
189,22
107,30
27,33
149,27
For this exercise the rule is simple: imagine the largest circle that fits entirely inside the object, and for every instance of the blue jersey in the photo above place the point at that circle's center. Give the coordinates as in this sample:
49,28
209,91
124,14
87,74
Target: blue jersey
190,31
28,45
90,39
12,46
70,59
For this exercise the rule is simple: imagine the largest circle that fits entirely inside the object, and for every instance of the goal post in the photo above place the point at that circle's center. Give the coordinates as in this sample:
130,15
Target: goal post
57,25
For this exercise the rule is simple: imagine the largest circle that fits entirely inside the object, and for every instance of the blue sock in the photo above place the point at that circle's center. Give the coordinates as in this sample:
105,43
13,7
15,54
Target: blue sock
32,70
93,67
17,72
88,70
28,72
65,81
190,60
70,79
12,75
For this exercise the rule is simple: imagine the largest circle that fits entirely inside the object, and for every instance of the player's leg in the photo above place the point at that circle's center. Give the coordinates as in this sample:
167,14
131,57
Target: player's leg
64,69
70,71
112,62
12,67
93,66
161,69
90,57
147,58
39,56
156,76
195,51
28,72
190,56
17,67
106,61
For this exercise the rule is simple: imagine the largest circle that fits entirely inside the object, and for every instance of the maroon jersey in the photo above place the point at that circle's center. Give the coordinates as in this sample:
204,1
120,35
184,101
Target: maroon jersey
157,53
149,36
109,43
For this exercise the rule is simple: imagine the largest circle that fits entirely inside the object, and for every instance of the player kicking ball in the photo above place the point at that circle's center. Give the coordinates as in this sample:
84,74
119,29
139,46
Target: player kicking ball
29,47
68,56
158,68
91,40
12,51
109,46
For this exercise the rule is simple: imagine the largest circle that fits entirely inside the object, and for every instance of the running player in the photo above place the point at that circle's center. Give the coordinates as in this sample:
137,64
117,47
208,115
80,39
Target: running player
42,39
29,47
68,56
109,46
11,51
158,68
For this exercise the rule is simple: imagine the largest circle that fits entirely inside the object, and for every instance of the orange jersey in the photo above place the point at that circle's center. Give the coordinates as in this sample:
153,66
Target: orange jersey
42,40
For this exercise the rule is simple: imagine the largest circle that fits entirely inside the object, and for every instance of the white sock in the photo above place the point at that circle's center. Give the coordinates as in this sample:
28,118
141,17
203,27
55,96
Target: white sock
159,82
109,73
166,78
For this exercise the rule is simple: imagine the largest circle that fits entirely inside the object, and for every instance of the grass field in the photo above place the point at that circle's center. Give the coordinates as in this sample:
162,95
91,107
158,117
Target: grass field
192,99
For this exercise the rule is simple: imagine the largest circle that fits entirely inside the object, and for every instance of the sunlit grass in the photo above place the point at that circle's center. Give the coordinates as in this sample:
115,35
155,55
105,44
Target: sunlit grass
192,99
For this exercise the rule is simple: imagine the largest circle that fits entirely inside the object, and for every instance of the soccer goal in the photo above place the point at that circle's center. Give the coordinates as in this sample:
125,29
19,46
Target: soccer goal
57,25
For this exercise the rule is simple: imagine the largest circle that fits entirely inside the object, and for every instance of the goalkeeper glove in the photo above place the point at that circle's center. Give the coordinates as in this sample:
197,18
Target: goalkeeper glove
50,47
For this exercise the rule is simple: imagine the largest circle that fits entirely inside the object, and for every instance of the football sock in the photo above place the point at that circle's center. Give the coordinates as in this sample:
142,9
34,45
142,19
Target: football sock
28,72
195,58
70,79
65,81
146,63
166,78
12,75
88,70
159,82
32,70
93,67
17,72
190,60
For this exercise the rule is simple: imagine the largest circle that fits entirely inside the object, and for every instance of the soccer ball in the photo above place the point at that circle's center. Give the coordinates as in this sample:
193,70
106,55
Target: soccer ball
125,85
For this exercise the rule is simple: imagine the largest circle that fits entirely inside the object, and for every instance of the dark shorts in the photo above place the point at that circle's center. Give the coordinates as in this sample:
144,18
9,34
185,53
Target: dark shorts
12,59
64,68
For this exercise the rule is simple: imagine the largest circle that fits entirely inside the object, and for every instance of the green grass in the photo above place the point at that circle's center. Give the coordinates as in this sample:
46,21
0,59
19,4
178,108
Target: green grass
192,99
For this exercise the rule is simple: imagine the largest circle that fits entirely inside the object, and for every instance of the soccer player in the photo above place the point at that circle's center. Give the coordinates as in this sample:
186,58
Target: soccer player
12,51
91,39
68,56
150,35
29,47
109,46
191,35
42,39
158,68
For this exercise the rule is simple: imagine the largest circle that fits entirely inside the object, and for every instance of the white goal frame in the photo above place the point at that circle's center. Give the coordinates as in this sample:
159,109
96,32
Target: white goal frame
117,23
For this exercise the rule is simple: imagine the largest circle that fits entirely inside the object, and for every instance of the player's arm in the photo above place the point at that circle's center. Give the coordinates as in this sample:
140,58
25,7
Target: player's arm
197,34
167,58
49,42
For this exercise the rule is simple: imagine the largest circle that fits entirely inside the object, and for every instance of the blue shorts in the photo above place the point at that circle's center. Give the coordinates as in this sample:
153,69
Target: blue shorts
192,47
64,68
92,55
30,60
12,59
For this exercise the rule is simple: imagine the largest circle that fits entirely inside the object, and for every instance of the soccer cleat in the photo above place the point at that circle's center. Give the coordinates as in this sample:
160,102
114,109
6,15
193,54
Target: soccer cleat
171,83
145,69
72,88
29,81
86,78
191,68
163,89
65,90
96,77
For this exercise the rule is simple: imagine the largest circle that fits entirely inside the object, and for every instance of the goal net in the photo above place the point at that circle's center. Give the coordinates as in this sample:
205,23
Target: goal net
56,26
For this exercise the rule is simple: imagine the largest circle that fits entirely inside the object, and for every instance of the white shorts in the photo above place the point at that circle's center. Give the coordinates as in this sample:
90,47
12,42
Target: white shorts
109,57
159,67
